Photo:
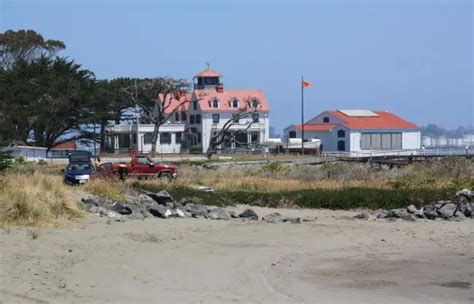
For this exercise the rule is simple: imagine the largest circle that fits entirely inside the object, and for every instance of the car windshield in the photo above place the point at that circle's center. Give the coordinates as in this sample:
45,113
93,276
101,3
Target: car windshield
79,167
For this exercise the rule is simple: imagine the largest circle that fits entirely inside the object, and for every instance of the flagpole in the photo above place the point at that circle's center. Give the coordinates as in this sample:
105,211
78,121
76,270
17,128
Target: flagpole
302,116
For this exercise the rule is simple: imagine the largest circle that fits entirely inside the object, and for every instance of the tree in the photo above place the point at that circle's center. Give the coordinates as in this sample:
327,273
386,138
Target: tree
238,118
45,100
155,98
26,45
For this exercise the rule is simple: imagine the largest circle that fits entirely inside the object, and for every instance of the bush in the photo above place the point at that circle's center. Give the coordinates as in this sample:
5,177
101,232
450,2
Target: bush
42,162
20,159
5,160
35,200
196,149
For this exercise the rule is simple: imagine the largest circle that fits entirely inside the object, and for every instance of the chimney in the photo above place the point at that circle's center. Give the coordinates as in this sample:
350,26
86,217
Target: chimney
220,88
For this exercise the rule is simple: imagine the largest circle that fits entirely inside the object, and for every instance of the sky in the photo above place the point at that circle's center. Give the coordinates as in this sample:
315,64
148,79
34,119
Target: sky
413,58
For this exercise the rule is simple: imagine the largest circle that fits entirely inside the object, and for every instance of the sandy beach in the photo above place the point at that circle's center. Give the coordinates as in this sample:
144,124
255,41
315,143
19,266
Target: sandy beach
332,259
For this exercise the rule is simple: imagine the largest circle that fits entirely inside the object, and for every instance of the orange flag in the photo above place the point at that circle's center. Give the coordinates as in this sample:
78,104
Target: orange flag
306,84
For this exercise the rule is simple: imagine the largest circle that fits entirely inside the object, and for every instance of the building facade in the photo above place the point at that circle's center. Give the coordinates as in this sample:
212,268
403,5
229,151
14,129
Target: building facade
201,114
359,131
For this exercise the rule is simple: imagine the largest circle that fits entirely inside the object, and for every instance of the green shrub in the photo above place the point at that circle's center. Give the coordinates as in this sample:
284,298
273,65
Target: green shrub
42,162
196,149
20,159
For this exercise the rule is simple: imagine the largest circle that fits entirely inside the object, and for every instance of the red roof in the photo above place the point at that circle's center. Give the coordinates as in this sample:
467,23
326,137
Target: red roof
173,101
383,120
209,73
319,127
68,145
226,97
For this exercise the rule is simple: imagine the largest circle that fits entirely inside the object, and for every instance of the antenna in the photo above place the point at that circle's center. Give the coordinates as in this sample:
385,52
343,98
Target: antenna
208,65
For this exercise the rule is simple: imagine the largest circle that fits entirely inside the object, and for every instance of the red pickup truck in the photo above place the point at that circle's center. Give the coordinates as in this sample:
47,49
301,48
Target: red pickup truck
140,166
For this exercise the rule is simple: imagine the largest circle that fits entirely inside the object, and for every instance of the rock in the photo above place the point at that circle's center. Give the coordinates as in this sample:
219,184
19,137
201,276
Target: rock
179,212
196,209
219,214
274,218
145,199
412,209
161,197
248,214
463,205
430,212
465,192
398,213
294,220
203,188
362,216
93,200
447,210
233,214
457,217
121,208
410,218
383,214
159,211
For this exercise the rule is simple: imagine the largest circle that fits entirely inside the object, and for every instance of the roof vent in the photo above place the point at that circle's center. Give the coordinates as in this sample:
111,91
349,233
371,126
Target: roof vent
358,113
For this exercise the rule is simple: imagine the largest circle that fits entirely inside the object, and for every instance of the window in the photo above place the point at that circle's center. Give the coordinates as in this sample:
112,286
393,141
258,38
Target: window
178,137
195,105
292,134
198,119
235,117
255,137
215,103
235,103
255,103
326,119
191,119
215,118
341,145
255,117
142,160
165,138
176,116
381,141
341,133
183,116
147,138
199,137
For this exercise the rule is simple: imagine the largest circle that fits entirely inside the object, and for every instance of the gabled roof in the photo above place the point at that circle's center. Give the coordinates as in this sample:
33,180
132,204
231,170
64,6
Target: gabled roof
173,101
383,120
226,97
318,127
209,73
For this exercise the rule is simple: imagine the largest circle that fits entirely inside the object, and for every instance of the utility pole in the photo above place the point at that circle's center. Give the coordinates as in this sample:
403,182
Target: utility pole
302,115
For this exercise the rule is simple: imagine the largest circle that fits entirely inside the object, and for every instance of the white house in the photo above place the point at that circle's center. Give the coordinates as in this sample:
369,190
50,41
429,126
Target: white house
359,131
201,113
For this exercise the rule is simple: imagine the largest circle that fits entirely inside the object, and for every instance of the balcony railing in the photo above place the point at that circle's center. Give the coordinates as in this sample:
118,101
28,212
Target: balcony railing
207,86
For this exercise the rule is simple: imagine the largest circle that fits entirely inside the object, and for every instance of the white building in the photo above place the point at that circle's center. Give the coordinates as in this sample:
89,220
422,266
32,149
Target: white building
359,131
201,114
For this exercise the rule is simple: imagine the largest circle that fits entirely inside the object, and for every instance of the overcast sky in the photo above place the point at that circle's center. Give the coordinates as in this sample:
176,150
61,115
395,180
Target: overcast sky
414,58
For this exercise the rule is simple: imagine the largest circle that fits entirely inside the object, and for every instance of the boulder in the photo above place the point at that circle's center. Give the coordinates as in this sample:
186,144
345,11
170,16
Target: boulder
248,214
196,209
412,209
465,192
383,214
159,211
457,217
121,208
93,200
463,205
447,210
219,214
178,213
161,197
410,217
101,211
274,218
362,216
398,213
294,220
430,212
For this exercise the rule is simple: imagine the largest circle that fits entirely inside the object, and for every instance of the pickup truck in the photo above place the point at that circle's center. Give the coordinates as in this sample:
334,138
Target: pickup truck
140,166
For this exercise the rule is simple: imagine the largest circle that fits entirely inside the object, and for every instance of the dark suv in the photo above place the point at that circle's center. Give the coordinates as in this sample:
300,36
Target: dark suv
79,169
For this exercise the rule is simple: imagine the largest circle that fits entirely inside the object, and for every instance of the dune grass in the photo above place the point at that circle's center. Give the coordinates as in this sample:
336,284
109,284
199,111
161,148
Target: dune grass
35,199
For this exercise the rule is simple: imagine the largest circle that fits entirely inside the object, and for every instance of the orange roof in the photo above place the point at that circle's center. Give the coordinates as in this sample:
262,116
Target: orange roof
174,101
319,127
68,145
383,120
209,73
226,97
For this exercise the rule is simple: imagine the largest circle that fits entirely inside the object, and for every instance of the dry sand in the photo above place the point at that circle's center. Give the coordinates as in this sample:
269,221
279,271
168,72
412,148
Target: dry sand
334,259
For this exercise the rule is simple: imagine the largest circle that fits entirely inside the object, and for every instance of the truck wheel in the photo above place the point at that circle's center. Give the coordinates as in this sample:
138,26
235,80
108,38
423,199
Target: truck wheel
165,177
123,174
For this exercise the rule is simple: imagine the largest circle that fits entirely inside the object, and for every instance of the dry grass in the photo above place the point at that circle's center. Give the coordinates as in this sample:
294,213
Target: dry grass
35,200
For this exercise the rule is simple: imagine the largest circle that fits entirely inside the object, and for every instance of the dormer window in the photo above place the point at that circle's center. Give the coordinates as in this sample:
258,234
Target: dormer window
326,119
255,103
235,103
215,103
